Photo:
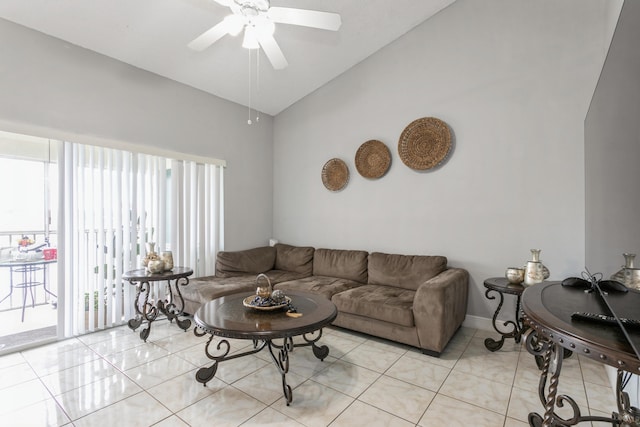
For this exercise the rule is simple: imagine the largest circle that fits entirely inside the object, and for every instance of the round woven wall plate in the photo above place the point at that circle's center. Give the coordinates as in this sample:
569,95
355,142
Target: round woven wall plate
335,174
424,143
373,159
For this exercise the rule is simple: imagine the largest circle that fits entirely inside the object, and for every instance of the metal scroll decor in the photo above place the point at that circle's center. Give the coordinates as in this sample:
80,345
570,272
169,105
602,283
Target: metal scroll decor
424,143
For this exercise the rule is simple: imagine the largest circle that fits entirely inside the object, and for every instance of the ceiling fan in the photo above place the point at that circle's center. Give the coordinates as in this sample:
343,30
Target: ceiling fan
258,20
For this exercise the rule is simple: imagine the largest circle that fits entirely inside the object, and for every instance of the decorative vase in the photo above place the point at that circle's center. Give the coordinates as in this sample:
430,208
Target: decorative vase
155,266
628,275
263,290
167,257
151,254
535,271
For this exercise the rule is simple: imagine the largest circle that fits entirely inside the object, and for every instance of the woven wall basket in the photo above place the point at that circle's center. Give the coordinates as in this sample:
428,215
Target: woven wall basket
424,143
335,174
373,159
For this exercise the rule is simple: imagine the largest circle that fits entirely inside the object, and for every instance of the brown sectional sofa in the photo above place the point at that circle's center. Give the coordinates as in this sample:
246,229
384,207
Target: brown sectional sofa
416,300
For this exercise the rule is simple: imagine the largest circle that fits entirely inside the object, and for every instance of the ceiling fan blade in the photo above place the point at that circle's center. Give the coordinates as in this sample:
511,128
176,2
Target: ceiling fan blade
272,50
209,37
307,18
232,24
224,2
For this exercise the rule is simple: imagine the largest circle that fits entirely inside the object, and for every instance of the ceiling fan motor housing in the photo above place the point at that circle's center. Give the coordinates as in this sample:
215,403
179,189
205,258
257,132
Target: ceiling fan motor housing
250,8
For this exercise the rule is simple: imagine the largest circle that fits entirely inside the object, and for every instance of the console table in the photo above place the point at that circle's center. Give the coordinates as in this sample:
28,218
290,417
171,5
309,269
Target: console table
501,286
547,309
148,308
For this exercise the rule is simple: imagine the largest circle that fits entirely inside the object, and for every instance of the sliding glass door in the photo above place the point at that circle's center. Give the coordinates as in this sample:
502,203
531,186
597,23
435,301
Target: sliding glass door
28,281
114,204
99,208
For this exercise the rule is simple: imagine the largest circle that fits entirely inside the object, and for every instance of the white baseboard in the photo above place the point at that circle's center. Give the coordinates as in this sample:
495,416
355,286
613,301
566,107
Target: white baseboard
477,322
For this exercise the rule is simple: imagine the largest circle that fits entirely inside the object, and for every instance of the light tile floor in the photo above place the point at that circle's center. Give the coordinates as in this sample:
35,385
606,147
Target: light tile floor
113,378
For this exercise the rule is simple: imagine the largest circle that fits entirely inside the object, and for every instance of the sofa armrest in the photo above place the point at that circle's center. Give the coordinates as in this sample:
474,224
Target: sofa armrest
439,308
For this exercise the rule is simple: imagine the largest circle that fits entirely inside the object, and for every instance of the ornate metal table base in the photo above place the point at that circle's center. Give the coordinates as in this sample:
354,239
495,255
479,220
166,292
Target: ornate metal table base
552,356
149,309
515,328
279,355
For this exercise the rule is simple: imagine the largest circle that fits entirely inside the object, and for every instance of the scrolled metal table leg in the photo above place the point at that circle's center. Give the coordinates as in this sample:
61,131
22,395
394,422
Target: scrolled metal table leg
136,321
490,343
552,354
282,362
629,416
173,310
149,312
542,349
535,420
185,323
320,352
521,328
204,375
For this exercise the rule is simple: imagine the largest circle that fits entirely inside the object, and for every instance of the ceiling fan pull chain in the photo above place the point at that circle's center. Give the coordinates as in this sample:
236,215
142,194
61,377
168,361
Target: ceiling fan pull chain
250,85
257,81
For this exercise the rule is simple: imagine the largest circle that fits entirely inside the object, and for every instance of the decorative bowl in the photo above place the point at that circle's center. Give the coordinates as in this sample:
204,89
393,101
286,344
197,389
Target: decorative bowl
514,275
264,304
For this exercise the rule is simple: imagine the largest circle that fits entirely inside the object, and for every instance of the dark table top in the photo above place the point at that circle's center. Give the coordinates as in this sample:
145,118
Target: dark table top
548,307
142,275
228,317
501,284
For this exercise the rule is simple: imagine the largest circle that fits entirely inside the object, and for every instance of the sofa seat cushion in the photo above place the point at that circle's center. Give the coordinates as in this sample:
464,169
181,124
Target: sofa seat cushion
404,271
386,303
323,285
250,261
298,259
205,289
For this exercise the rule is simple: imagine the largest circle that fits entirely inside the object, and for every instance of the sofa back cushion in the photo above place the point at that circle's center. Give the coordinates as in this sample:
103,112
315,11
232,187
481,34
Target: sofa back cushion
253,261
344,264
298,259
404,271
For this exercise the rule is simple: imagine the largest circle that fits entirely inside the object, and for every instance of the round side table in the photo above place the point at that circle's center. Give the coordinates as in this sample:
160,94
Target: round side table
151,306
515,328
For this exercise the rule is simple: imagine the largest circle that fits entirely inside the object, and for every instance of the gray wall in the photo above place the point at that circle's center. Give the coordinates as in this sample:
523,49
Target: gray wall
612,145
513,79
52,89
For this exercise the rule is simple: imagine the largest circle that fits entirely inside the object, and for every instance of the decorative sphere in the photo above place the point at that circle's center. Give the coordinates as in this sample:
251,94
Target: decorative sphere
514,275
278,296
155,266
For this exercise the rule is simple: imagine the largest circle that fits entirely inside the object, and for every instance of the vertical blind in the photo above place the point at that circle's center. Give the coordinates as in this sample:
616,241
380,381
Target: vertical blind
114,204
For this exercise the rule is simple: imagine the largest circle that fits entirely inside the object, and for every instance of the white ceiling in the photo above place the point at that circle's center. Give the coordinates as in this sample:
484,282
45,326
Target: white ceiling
153,35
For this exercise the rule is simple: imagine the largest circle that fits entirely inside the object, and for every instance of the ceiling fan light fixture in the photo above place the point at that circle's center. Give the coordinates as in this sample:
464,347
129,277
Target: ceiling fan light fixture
250,40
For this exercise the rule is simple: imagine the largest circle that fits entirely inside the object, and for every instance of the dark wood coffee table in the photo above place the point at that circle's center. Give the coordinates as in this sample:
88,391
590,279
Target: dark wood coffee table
227,317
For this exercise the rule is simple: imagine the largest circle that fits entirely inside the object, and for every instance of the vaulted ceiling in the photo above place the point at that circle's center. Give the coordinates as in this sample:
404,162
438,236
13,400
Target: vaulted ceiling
153,35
